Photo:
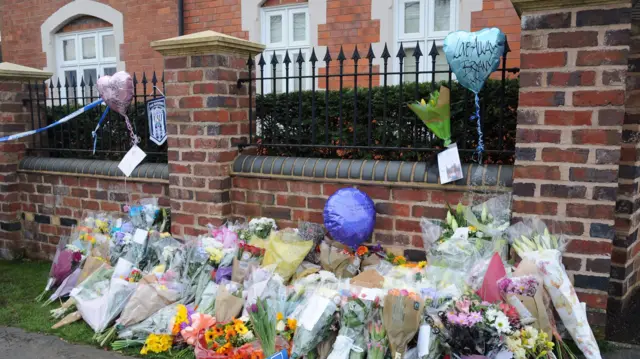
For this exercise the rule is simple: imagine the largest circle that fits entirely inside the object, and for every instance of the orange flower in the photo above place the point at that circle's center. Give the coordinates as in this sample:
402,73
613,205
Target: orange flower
362,250
394,291
217,331
399,260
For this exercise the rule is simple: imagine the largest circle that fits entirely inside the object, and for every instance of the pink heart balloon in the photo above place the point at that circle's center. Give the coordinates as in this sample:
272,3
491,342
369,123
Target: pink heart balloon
116,91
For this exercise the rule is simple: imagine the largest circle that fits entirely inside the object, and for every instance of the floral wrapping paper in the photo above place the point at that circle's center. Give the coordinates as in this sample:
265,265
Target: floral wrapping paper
565,300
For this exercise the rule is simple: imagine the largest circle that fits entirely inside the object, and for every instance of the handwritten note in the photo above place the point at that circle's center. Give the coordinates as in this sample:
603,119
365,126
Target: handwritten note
474,56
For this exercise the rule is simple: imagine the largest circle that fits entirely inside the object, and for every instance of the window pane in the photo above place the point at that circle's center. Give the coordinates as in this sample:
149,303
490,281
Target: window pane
108,46
109,71
442,15
409,66
442,65
299,27
276,28
69,77
90,76
411,17
88,48
69,48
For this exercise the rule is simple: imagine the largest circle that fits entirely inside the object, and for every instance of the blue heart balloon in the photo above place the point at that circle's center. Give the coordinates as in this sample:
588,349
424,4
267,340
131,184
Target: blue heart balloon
473,56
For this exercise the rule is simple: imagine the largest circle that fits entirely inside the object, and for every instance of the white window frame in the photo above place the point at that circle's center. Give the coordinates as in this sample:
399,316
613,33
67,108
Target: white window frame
424,37
80,64
288,44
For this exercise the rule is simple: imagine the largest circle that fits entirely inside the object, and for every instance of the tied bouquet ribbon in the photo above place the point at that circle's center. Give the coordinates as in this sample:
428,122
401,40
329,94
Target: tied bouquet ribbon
115,91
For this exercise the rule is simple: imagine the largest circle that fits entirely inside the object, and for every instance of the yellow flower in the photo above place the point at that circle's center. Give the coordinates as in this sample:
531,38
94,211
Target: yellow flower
144,350
241,329
422,264
279,316
472,229
292,324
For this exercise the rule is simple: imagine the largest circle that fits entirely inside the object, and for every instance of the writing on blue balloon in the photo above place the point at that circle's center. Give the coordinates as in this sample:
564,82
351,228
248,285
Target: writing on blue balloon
476,59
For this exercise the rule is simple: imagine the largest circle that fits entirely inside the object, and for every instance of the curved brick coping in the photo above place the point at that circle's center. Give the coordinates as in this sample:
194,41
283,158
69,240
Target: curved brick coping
394,173
146,172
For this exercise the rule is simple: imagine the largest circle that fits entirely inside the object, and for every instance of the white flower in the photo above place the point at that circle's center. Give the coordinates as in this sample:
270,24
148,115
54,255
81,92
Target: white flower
502,324
248,336
532,332
520,353
280,326
491,314
167,252
512,344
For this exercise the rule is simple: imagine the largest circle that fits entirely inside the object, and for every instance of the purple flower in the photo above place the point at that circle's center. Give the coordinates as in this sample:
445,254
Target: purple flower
254,308
463,305
473,319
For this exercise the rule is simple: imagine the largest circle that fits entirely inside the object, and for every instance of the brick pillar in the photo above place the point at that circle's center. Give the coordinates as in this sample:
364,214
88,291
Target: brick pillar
14,118
570,118
207,116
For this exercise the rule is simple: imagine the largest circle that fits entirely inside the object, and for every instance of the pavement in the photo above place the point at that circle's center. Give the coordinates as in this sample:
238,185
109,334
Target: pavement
18,344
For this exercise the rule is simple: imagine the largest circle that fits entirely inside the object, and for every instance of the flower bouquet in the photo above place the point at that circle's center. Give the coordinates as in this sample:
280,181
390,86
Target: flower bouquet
264,325
473,328
64,262
248,258
376,336
287,250
436,114
336,258
315,319
401,317
529,343
312,232
228,305
535,244
151,295
354,315
145,214
516,290
221,340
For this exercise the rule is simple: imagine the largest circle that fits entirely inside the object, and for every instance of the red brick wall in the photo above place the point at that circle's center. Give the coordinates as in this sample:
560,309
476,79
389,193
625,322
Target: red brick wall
348,24
51,204
399,210
218,15
85,23
144,21
500,14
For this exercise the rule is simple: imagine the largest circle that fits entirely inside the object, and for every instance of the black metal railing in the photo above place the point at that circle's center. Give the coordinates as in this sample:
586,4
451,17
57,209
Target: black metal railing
343,112
51,100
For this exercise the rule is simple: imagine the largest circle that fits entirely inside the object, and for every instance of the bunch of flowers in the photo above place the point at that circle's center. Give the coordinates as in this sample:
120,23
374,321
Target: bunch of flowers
377,342
261,227
285,328
472,327
134,276
396,259
182,319
215,255
525,285
264,325
157,343
224,235
529,343
223,338
248,252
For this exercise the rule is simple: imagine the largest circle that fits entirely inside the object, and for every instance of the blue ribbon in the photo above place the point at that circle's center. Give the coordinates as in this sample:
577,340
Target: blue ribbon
95,132
59,122
477,156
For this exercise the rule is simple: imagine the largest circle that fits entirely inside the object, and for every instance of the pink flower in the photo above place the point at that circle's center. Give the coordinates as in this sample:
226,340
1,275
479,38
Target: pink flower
404,292
473,319
463,305
199,322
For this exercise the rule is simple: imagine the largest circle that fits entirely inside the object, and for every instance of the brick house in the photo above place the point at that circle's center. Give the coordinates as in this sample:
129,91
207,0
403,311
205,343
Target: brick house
87,38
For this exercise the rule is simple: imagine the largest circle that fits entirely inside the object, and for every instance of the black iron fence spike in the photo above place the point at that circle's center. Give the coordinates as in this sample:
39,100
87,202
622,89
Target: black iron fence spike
356,54
370,54
274,59
385,53
154,79
417,53
507,49
401,54
82,81
327,56
250,61
341,56
261,62
434,50
313,57
135,79
300,58
144,78
287,59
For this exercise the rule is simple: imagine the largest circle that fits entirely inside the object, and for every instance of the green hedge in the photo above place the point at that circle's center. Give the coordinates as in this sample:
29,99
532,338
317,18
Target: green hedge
394,130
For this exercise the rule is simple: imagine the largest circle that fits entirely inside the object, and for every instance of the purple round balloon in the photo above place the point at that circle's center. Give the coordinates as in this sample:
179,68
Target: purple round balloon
350,216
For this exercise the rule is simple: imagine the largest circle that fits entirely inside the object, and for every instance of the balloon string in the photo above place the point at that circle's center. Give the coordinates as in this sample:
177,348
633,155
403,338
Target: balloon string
134,139
477,156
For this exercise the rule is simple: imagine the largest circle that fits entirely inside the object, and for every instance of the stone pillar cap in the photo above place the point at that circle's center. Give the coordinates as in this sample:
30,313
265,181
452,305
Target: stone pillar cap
13,71
534,5
206,43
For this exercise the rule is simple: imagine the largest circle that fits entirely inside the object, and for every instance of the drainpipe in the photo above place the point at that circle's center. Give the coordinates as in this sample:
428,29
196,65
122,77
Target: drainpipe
180,17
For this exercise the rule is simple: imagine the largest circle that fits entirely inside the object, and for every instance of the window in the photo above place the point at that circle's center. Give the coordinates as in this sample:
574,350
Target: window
85,55
422,22
286,29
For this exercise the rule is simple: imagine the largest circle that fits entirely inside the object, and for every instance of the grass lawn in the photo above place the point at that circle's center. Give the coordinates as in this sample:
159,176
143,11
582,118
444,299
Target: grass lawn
21,282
